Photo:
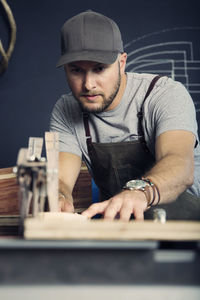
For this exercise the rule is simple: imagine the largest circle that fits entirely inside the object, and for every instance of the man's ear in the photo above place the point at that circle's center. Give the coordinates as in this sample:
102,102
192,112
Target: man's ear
122,61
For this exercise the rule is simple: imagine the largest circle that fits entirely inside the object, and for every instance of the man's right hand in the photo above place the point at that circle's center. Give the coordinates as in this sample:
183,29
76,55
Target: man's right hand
65,204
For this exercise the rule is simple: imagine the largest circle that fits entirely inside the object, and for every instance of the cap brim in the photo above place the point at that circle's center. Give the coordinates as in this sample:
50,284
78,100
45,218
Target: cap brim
104,57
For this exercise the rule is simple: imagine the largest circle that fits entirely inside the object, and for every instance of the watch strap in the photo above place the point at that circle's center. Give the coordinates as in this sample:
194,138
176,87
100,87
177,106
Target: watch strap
147,193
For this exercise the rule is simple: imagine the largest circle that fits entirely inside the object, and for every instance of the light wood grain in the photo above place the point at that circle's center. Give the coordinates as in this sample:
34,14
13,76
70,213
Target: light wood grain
62,227
52,145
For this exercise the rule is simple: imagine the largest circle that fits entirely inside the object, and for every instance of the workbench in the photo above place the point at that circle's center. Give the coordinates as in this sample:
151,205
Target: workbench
94,268
99,269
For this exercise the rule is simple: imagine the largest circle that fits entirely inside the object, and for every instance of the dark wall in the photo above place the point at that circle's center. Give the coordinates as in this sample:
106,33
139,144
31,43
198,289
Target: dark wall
166,35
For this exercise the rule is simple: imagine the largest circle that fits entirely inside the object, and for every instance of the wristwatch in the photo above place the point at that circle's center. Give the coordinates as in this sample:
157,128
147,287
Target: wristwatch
140,185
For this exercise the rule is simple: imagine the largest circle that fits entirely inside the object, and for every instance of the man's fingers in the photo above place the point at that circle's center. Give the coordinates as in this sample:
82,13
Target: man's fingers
124,204
94,209
126,211
112,209
138,214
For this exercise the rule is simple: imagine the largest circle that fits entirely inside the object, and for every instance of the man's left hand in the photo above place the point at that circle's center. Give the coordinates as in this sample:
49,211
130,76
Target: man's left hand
121,206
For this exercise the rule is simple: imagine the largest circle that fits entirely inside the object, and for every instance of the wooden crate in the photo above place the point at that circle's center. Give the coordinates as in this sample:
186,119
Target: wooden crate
8,192
9,204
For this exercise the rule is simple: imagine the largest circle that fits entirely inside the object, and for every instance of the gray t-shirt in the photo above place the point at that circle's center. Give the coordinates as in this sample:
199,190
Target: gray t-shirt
168,107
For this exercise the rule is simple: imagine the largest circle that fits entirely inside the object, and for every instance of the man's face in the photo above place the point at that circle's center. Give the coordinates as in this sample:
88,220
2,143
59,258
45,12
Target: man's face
94,85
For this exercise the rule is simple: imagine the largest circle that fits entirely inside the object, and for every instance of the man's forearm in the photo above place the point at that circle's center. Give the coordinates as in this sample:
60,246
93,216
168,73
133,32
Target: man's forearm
172,175
65,198
65,191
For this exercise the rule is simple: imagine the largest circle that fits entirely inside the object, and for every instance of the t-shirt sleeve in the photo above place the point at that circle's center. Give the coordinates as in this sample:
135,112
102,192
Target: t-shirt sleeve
174,110
61,122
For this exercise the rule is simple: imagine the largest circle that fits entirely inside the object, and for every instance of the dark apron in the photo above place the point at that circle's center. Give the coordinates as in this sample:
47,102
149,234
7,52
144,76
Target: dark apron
113,164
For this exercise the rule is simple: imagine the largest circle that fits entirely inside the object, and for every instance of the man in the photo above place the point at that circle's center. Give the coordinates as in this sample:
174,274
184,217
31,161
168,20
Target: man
137,133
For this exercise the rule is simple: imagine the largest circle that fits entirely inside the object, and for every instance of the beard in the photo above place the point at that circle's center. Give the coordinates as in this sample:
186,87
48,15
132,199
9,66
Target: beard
106,101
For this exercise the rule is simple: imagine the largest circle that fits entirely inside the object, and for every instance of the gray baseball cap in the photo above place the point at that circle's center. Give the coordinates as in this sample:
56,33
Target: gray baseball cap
90,36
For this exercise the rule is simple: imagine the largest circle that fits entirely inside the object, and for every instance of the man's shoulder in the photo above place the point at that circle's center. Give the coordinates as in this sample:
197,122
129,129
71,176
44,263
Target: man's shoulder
166,91
144,79
138,84
141,76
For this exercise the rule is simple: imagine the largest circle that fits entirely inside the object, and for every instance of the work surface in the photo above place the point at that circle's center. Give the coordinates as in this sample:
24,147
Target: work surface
110,262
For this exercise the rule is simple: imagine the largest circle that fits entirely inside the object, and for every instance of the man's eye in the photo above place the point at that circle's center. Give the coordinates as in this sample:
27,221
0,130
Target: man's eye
75,70
99,69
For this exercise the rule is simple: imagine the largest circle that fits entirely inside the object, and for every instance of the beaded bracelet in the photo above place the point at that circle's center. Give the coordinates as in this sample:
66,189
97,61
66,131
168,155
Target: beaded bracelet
153,190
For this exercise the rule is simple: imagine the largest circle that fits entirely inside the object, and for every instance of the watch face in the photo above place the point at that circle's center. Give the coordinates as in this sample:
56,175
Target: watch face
136,184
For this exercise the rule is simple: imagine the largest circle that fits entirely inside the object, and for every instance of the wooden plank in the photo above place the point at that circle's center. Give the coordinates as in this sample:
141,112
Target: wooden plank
52,152
7,176
60,226
7,171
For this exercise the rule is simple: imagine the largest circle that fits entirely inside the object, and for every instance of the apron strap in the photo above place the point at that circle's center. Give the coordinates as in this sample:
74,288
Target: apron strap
151,86
140,114
87,130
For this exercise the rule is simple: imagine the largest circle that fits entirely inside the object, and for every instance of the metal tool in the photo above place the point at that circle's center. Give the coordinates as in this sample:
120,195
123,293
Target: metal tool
38,176
159,215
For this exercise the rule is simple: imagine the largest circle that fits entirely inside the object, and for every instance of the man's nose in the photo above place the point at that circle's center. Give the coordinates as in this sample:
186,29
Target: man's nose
89,81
